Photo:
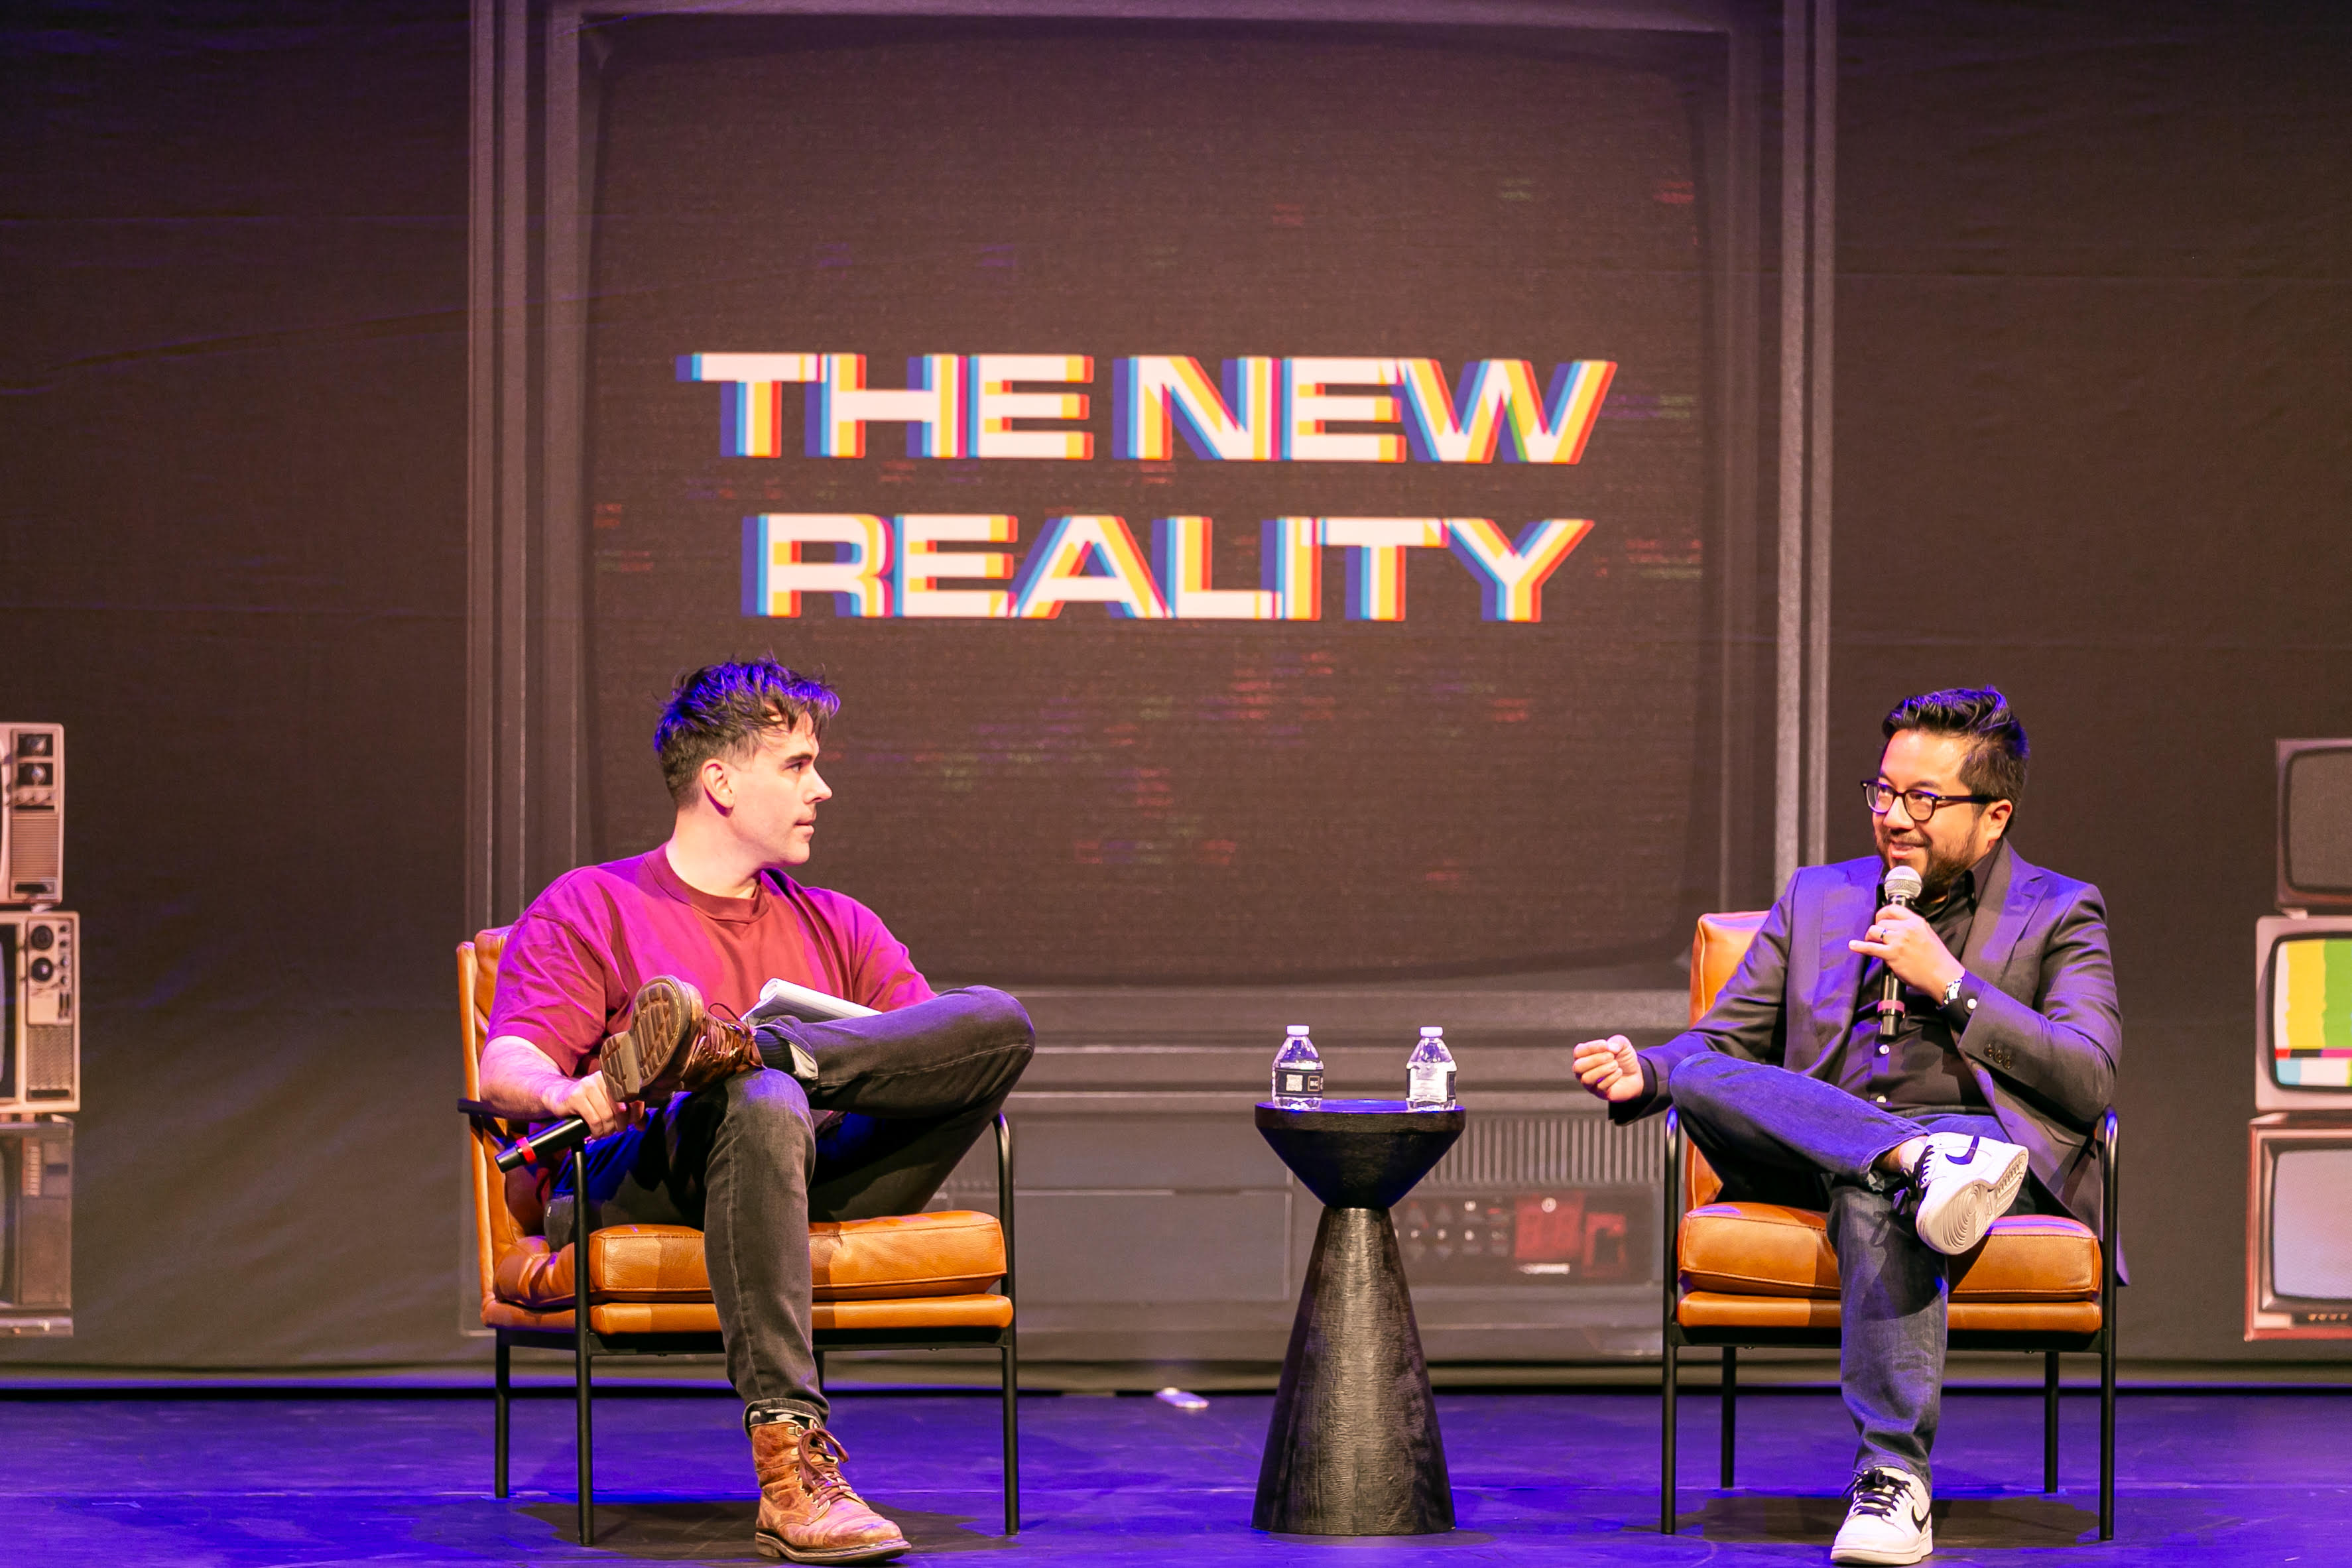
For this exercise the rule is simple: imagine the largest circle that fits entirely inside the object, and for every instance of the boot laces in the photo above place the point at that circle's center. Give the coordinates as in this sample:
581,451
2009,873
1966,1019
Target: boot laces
719,1020
1878,1491
821,1454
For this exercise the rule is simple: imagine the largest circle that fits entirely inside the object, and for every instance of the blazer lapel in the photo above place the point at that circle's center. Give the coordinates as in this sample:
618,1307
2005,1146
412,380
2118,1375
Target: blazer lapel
1845,914
2004,908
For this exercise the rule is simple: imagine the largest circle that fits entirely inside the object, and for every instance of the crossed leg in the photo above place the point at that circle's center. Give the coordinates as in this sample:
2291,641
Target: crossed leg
1779,1136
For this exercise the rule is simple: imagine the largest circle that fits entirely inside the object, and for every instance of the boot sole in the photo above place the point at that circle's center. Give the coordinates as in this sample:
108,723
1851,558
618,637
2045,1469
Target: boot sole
773,1546
1963,1222
665,1014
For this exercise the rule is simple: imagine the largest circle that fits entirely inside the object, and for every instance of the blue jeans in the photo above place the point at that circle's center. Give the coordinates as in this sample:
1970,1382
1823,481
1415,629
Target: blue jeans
899,1098
1778,1137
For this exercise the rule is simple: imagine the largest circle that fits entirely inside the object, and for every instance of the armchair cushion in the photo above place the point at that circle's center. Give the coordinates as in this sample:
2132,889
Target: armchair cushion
952,1252
1771,1250
1714,1309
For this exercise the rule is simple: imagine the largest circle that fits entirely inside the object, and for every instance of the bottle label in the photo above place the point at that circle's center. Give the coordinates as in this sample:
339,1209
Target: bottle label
1290,1082
1430,1083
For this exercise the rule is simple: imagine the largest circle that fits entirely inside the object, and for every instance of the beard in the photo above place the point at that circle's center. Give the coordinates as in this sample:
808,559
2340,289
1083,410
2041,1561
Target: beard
1943,867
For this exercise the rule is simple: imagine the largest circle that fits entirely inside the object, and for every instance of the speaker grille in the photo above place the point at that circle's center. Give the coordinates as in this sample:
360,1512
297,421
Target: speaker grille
34,849
48,1062
1514,1152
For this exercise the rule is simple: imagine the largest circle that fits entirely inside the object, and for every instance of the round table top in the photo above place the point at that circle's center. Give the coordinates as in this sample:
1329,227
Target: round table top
1359,1154
1333,1115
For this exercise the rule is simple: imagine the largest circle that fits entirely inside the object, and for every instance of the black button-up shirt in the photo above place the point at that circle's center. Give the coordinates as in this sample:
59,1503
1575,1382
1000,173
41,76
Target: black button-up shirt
1921,1068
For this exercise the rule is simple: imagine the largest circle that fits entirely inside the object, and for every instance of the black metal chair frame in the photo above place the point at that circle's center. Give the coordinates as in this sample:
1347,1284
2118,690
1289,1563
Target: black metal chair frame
586,1346
2050,1345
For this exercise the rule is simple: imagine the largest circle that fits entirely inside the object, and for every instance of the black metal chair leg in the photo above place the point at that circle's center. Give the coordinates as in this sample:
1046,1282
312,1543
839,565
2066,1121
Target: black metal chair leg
819,1371
1667,1329
2049,1421
1011,1437
1011,1356
1730,1408
583,1371
503,1381
584,1396
2108,1437
1666,1442
2110,1132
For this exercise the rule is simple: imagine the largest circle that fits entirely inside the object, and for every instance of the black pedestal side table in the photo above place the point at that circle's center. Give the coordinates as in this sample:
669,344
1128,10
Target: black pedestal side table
1353,1449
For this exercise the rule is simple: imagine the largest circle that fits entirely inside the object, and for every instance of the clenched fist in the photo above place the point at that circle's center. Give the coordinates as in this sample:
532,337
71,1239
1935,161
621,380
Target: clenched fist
1609,1068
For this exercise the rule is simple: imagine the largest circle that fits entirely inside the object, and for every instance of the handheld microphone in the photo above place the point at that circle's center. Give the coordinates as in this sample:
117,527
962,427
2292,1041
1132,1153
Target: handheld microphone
1901,888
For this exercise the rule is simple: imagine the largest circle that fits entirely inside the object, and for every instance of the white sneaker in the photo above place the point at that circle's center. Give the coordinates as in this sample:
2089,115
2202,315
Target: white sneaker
1888,1520
1964,1184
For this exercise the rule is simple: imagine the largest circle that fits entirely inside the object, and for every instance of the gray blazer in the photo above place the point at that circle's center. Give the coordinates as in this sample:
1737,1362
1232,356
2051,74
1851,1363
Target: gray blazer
2043,1041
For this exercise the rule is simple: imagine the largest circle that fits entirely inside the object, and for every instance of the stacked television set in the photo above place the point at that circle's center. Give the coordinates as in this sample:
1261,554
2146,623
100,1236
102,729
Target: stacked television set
2299,1176
40,1036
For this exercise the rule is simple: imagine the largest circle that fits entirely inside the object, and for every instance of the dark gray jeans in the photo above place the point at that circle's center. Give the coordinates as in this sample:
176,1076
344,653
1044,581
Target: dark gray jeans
898,1099
1778,1137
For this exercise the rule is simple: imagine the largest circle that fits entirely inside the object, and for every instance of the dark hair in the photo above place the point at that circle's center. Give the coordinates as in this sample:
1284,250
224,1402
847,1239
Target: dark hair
1996,754
723,710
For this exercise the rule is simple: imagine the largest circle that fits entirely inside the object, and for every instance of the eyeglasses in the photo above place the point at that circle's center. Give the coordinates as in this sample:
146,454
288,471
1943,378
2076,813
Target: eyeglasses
1921,804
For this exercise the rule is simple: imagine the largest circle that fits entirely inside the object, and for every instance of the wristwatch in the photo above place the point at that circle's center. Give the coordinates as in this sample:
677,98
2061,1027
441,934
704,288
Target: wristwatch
1952,992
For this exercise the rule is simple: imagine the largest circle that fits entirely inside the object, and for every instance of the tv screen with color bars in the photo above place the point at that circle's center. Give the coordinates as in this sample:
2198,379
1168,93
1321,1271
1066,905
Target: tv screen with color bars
2311,1013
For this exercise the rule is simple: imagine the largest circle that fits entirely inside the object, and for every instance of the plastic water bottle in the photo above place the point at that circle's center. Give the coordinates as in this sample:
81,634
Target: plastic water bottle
1429,1071
1297,1072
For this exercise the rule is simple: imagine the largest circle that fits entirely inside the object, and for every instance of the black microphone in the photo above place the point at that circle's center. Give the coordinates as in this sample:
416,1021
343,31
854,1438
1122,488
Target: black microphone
1902,886
550,1141
560,1139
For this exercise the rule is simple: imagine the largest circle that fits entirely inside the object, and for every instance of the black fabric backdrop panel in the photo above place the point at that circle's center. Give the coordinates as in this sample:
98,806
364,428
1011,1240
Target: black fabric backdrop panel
232,563
1096,799
2093,308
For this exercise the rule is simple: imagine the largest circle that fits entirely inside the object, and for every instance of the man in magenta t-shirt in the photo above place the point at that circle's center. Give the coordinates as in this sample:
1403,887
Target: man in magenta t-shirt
845,1120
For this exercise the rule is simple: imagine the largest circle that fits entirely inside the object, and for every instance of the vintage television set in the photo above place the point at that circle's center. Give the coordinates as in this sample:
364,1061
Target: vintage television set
35,1228
2302,1014
40,1011
2299,1227
32,813
2315,825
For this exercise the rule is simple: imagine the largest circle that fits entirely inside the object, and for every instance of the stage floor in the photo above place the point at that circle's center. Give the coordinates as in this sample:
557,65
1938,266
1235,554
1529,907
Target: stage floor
2213,1477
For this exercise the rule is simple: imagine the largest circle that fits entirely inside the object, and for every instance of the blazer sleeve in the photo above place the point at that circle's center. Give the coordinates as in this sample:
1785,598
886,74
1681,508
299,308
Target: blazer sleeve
1749,1016
2064,1047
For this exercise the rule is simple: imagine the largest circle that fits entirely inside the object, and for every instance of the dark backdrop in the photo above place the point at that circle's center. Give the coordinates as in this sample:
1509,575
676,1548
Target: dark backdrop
2092,443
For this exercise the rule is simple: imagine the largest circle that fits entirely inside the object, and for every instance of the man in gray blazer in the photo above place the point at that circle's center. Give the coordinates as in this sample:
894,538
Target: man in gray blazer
1915,1122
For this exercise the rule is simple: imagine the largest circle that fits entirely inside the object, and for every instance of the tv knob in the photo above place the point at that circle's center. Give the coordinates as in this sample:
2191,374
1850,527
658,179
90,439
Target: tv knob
42,939
43,969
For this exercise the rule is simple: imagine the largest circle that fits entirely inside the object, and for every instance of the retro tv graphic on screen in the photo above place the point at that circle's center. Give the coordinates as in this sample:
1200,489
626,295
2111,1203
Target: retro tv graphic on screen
2311,1027
1260,410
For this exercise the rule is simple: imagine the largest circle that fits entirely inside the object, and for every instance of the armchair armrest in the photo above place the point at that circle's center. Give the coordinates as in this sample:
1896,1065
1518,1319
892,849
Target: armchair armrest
1004,1195
2108,1138
1670,1211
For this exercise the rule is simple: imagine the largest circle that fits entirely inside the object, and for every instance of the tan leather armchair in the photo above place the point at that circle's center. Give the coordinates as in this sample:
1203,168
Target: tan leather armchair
906,1281
1764,1274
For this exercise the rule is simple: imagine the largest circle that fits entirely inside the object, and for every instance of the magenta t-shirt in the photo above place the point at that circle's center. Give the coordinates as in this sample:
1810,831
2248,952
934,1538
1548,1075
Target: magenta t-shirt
574,962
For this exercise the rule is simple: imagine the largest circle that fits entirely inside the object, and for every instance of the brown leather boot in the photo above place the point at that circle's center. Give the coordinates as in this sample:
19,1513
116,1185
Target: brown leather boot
673,1042
807,1513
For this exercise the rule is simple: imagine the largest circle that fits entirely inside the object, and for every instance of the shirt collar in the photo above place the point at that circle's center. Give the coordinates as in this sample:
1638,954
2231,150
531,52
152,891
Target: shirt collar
665,877
1965,887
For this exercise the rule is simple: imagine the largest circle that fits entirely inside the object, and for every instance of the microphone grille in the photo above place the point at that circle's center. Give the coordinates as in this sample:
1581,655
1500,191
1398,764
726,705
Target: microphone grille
1902,884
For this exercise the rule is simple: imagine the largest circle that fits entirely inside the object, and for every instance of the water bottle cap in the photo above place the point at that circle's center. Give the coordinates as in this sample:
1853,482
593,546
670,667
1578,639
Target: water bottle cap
1430,1028
1298,1029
